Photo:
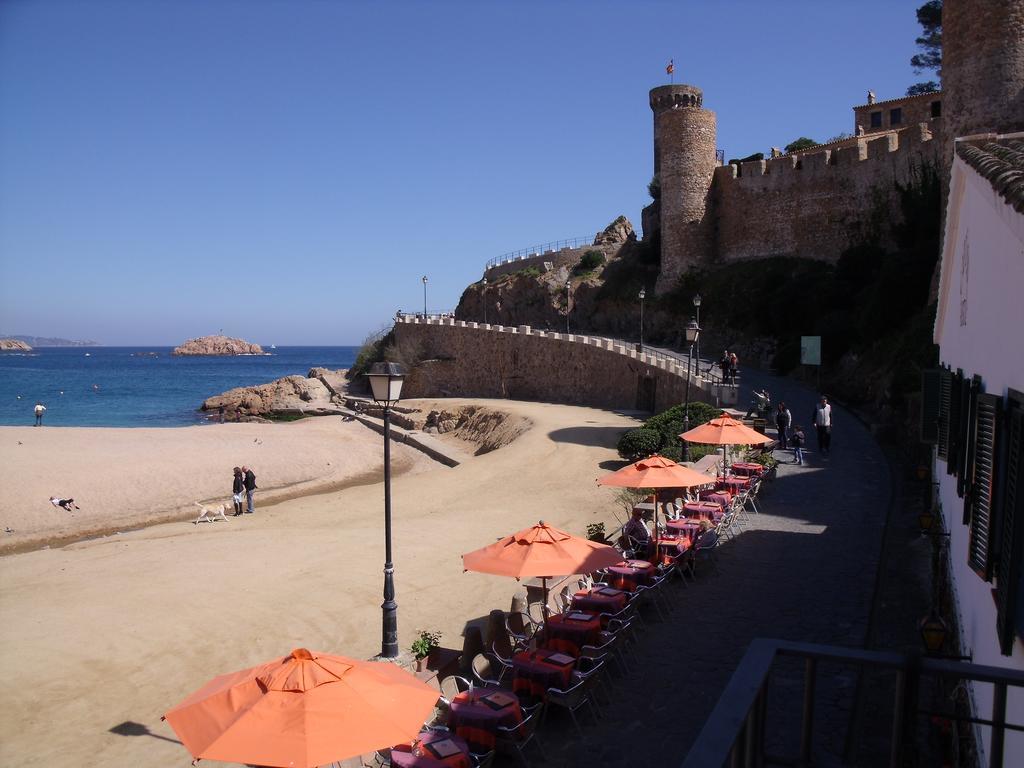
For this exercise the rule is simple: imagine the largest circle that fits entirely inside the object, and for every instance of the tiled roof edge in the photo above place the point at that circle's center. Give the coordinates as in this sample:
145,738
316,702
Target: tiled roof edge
1001,162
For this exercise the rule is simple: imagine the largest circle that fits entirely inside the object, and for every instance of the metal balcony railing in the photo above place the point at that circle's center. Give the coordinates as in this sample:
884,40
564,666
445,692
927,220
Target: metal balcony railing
735,732
538,250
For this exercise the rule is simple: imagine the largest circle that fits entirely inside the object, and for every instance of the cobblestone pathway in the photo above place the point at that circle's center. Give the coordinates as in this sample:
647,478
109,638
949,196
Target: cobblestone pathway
804,570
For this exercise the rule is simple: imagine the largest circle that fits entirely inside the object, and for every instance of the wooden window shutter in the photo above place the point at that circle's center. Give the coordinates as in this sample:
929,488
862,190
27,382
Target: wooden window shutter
979,499
965,437
930,379
945,395
1010,569
956,403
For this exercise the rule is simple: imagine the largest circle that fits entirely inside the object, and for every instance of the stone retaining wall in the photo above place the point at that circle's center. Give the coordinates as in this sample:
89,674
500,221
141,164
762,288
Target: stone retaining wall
463,359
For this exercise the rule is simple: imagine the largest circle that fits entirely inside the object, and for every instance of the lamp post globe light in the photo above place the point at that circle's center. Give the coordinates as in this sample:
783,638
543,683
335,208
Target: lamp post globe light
568,296
642,295
424,297
696,305
386,385
692,335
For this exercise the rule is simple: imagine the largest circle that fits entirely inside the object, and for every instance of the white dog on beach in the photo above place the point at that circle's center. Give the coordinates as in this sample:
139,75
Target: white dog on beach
209,514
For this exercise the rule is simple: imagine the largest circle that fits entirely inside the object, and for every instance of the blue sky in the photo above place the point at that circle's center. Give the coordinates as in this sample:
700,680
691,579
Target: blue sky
287,171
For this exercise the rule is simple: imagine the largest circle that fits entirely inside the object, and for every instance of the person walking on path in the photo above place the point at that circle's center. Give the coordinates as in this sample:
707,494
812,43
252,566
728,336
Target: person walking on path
823,426
734,364
237,488
797,441
40,409
250,488
783,419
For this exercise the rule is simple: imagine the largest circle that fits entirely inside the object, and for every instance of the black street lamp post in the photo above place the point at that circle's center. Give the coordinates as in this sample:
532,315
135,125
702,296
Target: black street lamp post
692,335
643,294
485,300
568,296
696,304
424,297
386,384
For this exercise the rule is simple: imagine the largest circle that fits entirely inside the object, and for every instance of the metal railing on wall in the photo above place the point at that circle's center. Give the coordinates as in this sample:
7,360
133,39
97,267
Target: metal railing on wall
735,732
539,250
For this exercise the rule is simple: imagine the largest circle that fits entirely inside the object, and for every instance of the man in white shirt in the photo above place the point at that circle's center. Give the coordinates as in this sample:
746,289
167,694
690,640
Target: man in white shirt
39,411
823,426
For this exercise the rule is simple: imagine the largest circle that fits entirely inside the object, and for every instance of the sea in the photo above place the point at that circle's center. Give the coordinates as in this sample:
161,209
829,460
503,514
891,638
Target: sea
139,386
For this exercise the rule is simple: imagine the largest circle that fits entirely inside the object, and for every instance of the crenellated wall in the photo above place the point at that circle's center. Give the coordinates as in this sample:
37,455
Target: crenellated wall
815,205
476,360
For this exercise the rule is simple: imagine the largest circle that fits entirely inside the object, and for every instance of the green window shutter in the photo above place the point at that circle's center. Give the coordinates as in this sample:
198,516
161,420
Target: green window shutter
930,379
1010,570
979,506
945,395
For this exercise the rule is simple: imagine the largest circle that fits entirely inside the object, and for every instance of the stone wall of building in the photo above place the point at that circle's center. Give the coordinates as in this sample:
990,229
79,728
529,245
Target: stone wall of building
912,110
476,360
815,205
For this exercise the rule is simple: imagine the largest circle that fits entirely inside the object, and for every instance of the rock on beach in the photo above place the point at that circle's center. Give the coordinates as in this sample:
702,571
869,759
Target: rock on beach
317,394
218,345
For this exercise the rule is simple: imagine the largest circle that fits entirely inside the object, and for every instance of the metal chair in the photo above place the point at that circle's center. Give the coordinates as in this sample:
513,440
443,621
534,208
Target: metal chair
705,548
484,671
572,699
484,760
516,738
521,629
452,686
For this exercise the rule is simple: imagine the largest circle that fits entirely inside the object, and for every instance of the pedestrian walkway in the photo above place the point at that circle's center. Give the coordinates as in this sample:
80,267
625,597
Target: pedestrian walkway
804,570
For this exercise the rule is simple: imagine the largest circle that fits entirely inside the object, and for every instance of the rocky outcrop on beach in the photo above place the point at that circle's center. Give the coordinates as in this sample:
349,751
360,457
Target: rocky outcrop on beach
13,345
320,393
218,345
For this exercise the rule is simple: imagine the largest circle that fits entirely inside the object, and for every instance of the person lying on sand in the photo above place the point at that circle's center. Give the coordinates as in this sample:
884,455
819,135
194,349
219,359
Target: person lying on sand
67,504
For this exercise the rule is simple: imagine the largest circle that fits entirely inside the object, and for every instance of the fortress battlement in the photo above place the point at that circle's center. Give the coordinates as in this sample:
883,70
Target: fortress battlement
860,156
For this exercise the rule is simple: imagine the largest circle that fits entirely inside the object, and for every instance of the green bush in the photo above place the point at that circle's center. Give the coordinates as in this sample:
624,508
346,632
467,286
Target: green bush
638,444
802,143
669,425
654,188
747,159
590,261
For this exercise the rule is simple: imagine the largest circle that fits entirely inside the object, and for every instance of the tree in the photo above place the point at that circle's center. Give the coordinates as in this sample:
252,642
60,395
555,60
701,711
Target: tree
929,16
802,143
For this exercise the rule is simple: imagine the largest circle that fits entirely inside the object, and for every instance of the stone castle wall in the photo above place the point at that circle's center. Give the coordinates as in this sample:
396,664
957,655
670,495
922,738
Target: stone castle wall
476,360
815,205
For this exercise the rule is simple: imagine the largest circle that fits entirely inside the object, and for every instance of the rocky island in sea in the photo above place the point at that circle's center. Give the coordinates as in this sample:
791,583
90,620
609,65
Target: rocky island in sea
218,345
13,345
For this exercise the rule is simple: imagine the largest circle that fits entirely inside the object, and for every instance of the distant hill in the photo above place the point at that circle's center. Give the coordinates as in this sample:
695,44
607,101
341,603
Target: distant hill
45,341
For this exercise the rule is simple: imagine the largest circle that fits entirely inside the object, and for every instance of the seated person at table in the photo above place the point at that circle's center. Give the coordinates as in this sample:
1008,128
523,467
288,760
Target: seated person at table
637,534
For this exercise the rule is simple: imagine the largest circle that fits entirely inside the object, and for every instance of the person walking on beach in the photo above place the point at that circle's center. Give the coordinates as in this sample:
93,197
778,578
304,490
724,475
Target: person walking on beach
823,426
250,488
783,418
237,489
797,441
40,409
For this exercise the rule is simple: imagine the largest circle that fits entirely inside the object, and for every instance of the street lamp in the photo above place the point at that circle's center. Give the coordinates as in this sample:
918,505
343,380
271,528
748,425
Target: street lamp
692,335
568,288
485,300
386,384
696,304
424,297
643,294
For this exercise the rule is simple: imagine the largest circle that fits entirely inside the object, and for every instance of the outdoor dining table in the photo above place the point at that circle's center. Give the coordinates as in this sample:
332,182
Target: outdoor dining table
733,484
670,547
570,631
748,468
536,671
722,497
476,714
600,600
433,749
630,574
686,528
704,510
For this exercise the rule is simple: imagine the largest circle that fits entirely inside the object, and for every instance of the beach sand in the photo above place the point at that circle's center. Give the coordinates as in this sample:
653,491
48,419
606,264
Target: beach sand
101,637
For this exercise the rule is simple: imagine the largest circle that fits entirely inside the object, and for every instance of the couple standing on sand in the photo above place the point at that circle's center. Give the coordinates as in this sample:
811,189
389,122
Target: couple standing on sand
245,481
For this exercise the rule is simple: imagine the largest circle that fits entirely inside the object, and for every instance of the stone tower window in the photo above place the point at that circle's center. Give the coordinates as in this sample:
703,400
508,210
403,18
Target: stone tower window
876,119
936,109
896,116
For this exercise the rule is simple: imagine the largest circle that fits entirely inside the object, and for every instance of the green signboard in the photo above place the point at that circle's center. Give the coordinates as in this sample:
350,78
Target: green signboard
810,350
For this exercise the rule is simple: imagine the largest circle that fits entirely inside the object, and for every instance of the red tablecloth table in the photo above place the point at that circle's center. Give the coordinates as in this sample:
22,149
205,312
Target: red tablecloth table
600,600
748,468
433,749
733,484
703,510
688,529
536,671
570,631
630,574
475,716
670,547
722,497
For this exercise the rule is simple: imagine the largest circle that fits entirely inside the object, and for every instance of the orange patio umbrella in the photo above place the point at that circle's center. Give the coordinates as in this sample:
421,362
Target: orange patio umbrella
541,551
655,472
305,710
725,430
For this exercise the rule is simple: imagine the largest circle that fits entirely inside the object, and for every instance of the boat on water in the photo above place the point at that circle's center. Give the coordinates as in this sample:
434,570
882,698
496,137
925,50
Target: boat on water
273,346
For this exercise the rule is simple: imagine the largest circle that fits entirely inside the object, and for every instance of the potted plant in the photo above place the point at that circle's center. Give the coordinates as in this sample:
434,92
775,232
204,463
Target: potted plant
596,532
423,646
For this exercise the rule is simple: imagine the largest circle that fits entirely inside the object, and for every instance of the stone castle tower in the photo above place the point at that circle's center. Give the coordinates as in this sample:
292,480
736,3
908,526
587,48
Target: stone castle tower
684,162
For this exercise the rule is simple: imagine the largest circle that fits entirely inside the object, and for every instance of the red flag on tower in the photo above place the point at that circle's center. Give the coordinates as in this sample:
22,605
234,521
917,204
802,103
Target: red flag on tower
670,68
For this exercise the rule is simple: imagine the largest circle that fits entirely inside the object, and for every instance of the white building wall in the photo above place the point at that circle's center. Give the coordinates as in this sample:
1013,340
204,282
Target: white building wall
979,328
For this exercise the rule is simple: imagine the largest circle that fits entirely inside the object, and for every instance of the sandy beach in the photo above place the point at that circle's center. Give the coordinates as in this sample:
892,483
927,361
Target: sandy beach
111,631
